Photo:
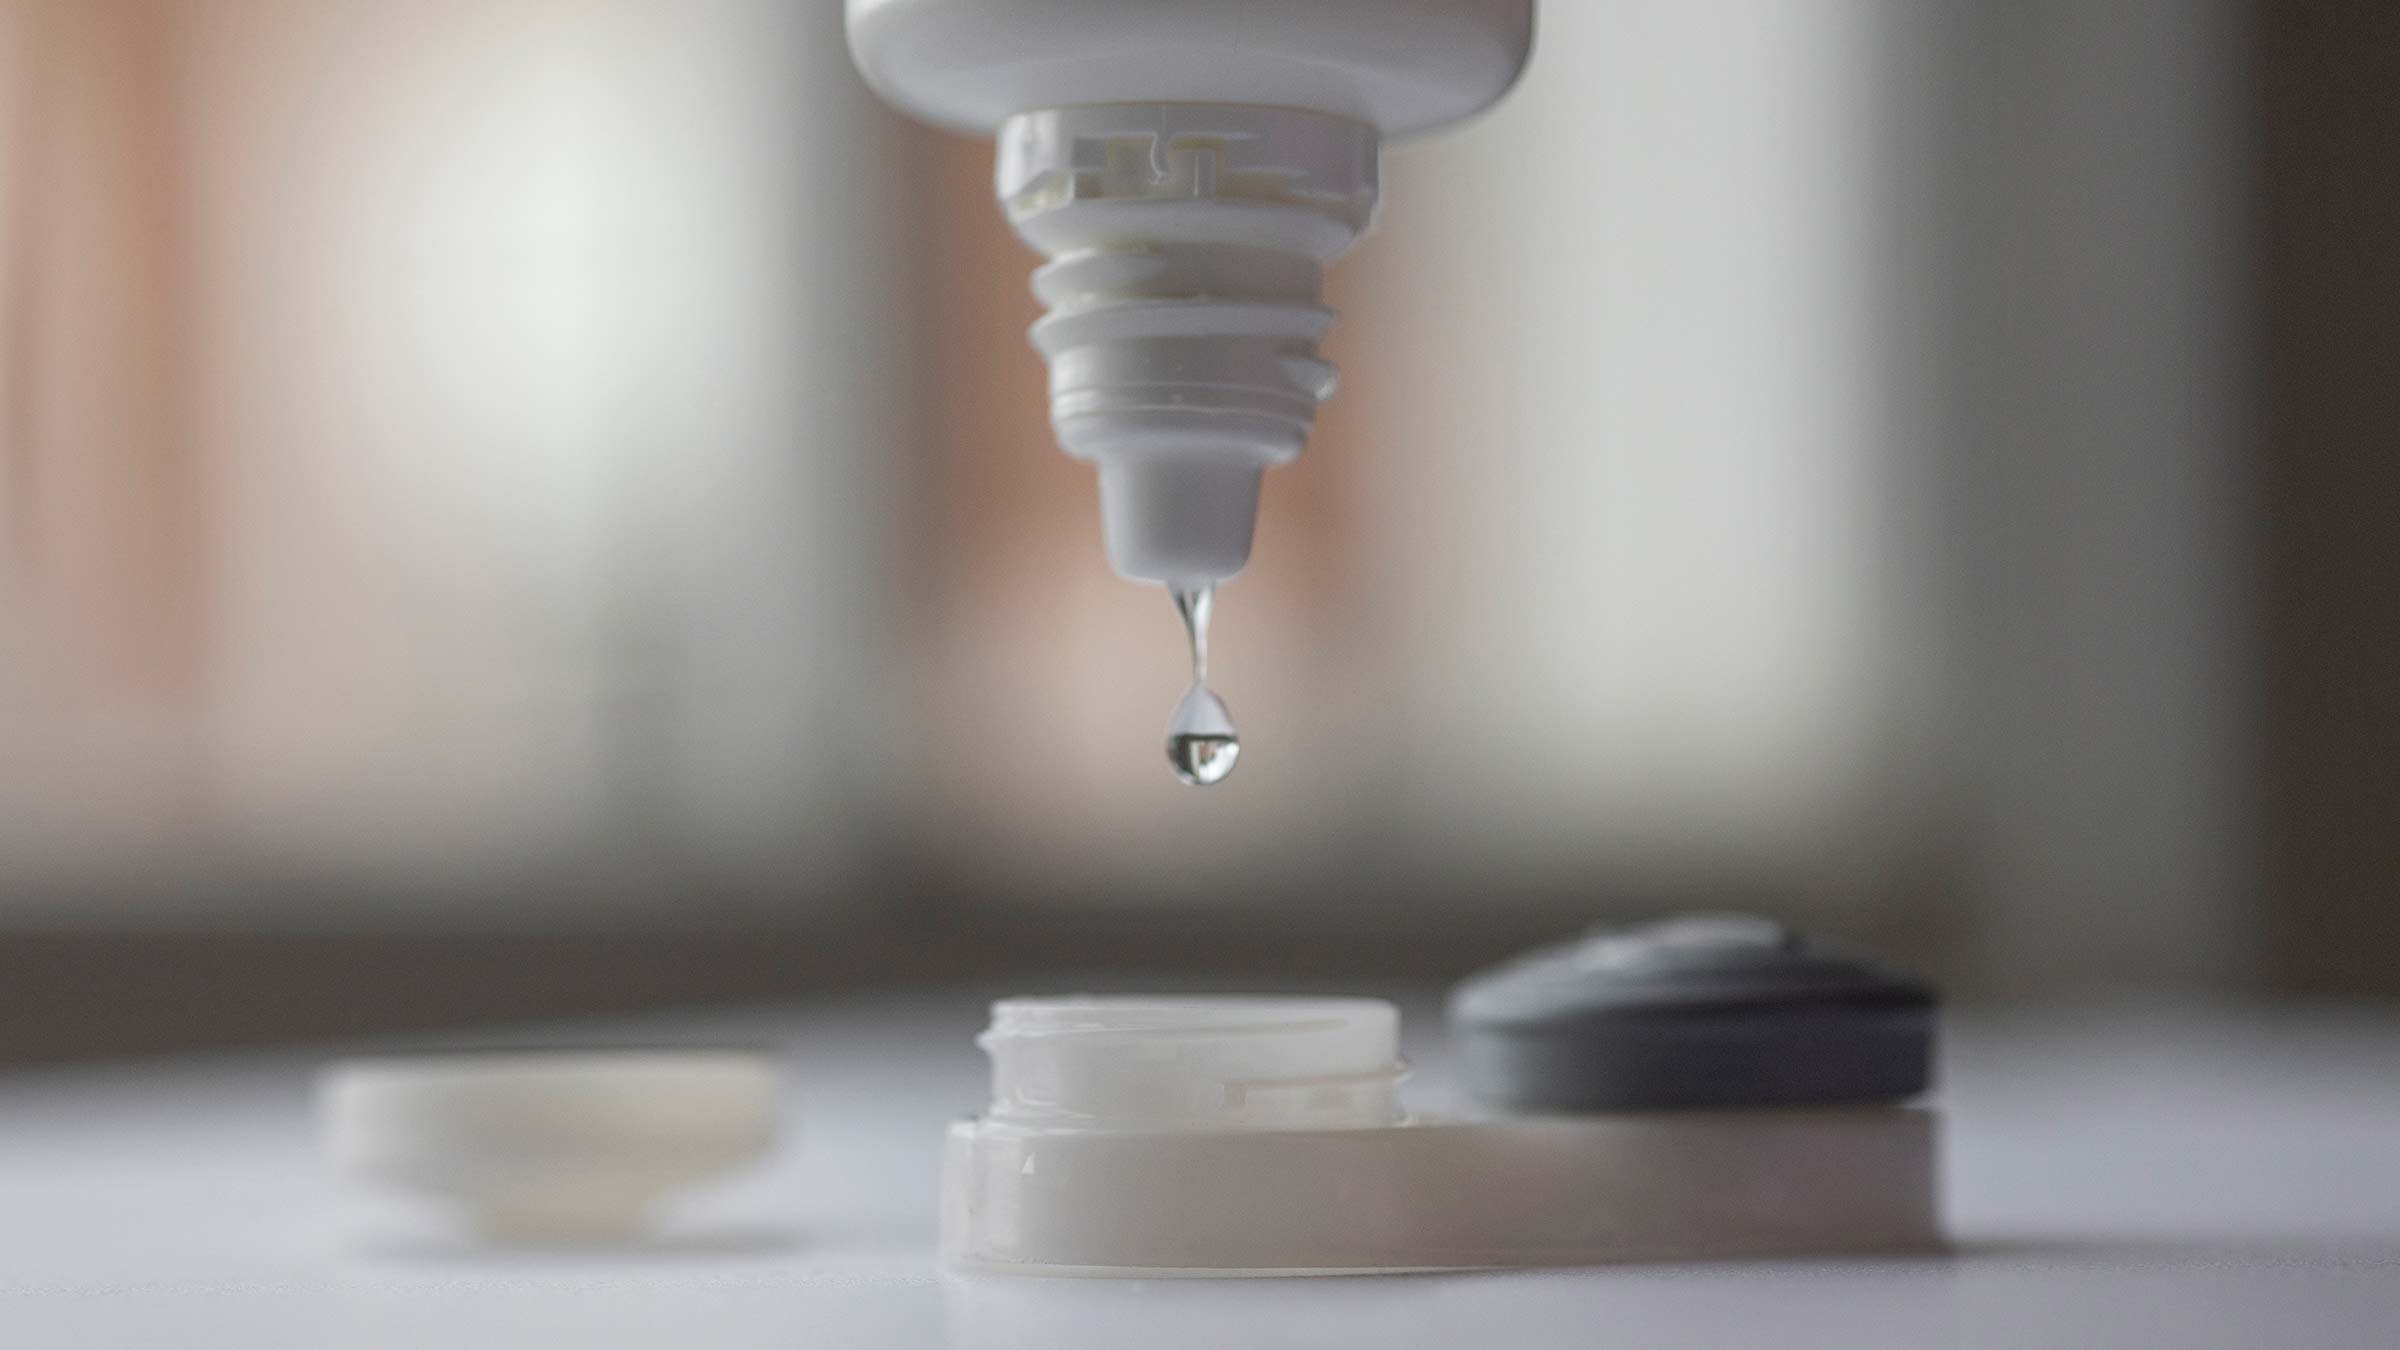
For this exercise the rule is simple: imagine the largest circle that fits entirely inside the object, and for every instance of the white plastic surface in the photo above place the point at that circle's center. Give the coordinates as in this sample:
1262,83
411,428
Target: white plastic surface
1256,1136
554,1146
1401,65
1443,1195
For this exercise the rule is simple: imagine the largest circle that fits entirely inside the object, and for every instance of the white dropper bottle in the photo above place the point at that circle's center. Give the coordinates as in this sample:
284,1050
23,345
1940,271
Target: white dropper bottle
1189,167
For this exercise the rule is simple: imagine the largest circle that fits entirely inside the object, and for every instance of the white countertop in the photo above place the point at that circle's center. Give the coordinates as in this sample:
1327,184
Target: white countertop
2132,1178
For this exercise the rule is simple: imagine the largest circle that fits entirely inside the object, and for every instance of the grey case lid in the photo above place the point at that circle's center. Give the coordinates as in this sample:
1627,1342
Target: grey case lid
1716,1010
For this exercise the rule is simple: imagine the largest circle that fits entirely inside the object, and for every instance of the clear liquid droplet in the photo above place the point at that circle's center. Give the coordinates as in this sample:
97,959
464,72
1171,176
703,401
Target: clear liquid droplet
1200,739
1201,744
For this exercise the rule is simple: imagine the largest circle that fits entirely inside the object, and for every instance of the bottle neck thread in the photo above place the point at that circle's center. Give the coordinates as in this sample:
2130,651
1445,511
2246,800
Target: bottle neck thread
1184,293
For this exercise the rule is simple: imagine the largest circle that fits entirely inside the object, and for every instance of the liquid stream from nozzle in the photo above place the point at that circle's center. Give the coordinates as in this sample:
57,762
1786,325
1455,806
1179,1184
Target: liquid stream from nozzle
1201,744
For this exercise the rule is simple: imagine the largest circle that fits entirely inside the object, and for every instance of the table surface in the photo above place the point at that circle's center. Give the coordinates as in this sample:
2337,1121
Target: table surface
2136,1177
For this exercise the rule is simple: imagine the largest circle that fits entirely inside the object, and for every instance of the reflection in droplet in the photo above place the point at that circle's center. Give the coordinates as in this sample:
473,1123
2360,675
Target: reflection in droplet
1200,740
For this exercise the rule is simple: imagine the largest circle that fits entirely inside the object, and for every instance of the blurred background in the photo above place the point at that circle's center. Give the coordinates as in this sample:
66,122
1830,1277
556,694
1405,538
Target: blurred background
525,507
